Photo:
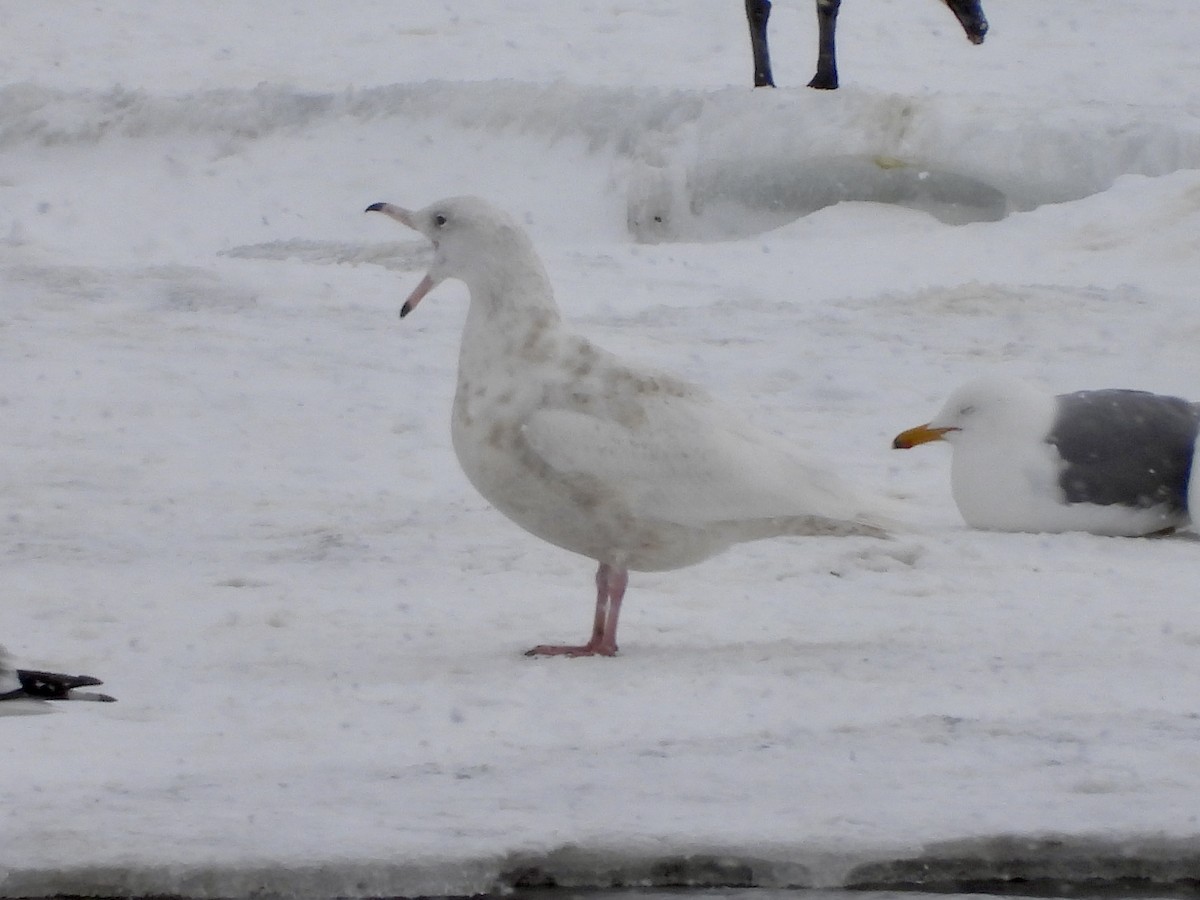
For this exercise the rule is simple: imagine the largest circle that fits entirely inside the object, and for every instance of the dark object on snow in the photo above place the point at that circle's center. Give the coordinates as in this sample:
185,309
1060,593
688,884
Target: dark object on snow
55,686
28,684
968,12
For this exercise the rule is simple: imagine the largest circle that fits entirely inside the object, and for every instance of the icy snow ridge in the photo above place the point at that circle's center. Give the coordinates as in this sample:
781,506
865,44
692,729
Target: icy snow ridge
698,165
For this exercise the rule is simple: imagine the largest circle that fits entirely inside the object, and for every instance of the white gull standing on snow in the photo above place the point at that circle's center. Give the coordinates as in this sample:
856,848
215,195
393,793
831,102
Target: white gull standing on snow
33,686
632,468
1111,462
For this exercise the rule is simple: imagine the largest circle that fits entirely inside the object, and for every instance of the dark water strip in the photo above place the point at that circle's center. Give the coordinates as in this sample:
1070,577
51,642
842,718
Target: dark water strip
1068,866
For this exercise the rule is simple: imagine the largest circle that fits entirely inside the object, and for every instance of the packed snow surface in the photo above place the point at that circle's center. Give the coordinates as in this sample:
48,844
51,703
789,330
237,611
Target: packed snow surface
228,488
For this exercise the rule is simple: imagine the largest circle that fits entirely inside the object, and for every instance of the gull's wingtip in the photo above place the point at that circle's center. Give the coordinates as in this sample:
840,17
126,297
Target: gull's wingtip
58,686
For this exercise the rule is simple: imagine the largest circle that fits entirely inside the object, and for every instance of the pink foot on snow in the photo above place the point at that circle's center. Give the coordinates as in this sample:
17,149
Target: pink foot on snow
571,650
610,591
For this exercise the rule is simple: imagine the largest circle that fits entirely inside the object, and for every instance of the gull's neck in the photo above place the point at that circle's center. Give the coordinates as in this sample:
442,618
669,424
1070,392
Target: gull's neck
513,320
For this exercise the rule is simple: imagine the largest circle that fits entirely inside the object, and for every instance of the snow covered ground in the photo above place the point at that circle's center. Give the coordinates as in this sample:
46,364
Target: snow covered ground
228,489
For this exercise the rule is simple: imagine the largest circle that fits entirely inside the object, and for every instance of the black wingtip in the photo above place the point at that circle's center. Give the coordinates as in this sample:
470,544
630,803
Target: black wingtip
57,686
374,207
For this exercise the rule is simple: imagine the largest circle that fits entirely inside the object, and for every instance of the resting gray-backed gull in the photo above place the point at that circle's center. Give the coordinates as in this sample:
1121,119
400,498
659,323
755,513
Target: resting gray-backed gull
1111,462
632,468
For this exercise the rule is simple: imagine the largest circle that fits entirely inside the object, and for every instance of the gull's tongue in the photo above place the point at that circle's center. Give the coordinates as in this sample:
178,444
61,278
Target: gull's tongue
419,292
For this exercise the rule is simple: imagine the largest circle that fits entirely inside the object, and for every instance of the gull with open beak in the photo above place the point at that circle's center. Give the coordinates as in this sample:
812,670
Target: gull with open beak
632,468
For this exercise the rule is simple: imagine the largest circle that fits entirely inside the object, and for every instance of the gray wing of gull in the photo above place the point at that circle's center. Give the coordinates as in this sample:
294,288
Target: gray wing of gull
1132,448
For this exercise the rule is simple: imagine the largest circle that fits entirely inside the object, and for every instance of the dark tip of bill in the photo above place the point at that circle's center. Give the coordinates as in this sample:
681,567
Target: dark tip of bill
374,207
405,310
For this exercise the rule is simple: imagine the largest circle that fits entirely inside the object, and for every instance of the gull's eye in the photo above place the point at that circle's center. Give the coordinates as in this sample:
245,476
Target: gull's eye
966,410
439,220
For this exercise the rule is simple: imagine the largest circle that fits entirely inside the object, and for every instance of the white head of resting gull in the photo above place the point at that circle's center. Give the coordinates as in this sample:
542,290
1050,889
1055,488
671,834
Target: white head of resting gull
31,685
632,468
1110,462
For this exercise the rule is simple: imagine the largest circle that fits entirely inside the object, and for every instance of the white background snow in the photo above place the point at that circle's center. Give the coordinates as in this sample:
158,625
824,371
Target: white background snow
227,486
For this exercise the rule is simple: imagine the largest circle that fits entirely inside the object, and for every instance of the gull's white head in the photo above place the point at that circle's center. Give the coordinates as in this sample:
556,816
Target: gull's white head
1003,472
985,409
472,241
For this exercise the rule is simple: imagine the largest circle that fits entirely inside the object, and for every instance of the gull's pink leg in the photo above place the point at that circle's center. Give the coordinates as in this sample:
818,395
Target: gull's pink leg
601,604
610,591
614,587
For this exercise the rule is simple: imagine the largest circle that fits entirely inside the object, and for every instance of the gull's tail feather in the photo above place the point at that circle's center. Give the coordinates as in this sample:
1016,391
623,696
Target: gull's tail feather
743,530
